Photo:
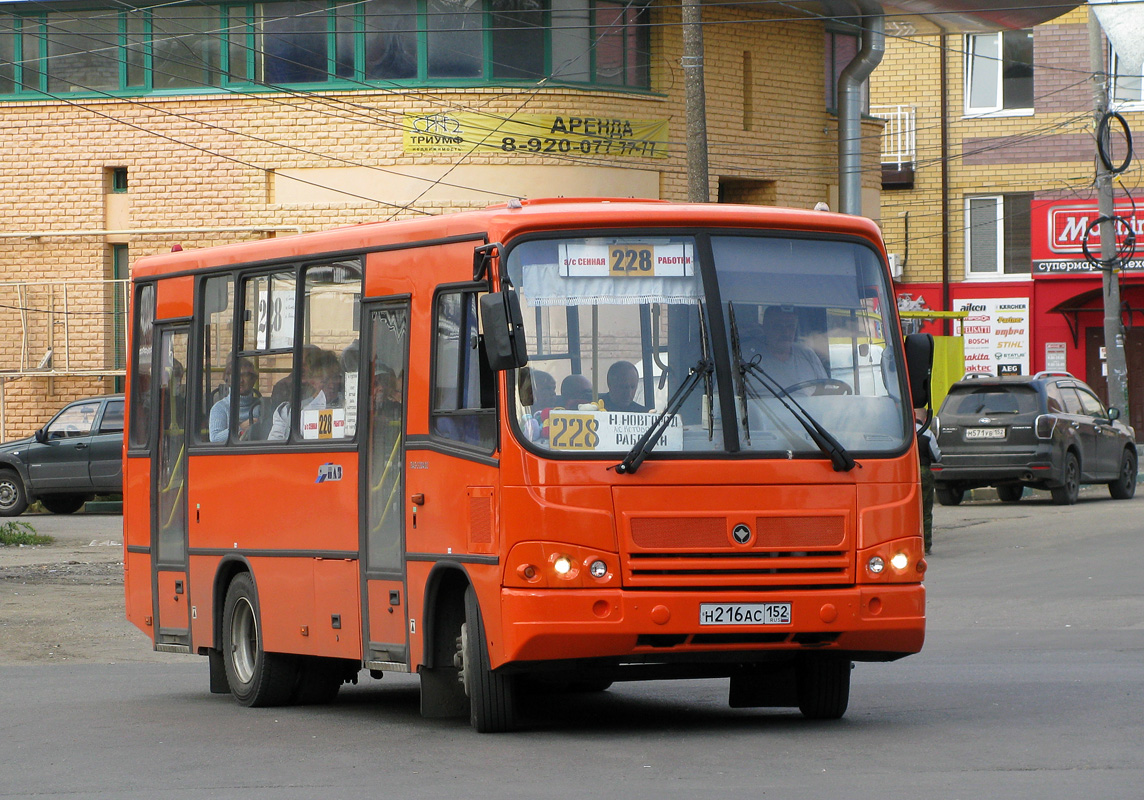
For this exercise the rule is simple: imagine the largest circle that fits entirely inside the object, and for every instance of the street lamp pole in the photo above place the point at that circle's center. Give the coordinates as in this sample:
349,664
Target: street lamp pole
695,103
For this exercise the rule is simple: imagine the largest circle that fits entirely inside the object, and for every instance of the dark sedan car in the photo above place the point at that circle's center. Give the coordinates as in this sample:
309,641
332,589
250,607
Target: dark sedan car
74,457
1045,431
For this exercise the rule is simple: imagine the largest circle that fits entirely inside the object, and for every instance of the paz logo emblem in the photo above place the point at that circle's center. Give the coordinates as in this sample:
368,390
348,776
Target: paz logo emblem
741,534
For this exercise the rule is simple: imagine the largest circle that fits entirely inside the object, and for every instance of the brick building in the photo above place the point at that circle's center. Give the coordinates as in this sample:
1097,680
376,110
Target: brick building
989,187
131,127
128,130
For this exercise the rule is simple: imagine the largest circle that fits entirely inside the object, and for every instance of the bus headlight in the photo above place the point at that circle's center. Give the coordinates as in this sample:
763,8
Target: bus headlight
598,569
876,565
899,561
562,565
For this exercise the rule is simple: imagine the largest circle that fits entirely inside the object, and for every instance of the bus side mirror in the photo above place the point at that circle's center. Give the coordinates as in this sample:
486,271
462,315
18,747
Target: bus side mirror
919,367
503,330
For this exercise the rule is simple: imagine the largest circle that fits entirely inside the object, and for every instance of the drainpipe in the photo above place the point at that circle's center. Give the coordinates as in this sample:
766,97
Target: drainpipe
850,106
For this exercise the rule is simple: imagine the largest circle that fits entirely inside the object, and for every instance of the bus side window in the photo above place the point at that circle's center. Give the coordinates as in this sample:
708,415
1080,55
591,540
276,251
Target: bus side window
216,345
464,388
142,345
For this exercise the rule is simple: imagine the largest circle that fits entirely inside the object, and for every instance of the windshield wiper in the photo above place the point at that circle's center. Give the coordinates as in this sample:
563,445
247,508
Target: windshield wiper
830,447
640,450
702,371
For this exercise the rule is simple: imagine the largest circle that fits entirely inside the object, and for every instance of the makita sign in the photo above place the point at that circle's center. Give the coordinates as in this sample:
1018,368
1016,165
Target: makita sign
1058,233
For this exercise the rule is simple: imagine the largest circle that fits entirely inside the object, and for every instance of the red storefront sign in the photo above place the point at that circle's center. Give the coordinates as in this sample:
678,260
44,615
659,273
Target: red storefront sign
1057,228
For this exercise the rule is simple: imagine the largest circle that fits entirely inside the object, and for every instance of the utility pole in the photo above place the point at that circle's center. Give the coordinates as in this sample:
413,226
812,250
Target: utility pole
1116,364
695,103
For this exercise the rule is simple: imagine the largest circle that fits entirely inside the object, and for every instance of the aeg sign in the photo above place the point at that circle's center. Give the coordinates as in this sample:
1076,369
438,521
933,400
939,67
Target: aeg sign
1057,229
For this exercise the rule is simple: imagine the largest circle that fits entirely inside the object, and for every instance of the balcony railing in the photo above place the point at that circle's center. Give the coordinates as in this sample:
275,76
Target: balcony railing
899,137
58,328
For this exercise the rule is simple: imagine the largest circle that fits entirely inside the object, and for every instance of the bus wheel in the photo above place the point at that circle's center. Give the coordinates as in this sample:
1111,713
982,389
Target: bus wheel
256,678
491,695
824,686
319,680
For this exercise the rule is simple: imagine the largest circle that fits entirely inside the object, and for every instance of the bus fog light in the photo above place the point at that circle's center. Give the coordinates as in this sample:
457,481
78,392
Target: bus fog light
899,561
562,565
876,565
598,569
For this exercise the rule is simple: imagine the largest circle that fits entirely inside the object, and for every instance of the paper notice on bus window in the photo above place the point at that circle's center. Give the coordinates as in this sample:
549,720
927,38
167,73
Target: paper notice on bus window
351,401
628,259
591,431
324,423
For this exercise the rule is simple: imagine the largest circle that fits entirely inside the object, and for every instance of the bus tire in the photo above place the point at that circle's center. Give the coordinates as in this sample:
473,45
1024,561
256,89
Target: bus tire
491,695
319,680
256,678
824,686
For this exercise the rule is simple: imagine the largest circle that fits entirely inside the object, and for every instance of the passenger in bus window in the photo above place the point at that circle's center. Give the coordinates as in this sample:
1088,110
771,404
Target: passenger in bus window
623,380
543,389
574,390
249,404
778,352
321,388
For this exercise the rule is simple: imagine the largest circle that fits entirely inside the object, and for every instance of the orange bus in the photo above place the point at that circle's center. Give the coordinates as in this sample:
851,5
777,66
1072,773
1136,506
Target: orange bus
551,444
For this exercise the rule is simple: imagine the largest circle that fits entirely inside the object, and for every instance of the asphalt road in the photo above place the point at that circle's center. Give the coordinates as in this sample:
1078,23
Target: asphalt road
1030,685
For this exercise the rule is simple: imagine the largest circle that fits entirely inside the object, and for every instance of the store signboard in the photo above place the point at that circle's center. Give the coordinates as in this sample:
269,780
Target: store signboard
1058,228
995,334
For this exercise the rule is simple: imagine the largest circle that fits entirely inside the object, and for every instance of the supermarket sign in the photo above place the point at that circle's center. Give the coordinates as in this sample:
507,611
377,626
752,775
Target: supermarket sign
1058,228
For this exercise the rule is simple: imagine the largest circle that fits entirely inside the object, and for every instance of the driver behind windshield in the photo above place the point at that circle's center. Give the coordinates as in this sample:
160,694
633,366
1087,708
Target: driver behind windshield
777,351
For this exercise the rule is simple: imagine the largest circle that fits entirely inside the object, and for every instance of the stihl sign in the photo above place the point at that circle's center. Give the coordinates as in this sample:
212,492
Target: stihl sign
1058,230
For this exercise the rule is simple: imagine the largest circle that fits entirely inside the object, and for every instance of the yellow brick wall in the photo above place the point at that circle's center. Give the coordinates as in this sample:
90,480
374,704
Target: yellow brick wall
203,161
909,75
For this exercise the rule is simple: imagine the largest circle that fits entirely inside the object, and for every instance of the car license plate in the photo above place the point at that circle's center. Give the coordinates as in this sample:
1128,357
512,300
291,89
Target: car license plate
744,613
984,433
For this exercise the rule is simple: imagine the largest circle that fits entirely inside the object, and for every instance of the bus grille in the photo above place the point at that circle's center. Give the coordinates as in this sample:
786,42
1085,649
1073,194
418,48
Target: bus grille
694,552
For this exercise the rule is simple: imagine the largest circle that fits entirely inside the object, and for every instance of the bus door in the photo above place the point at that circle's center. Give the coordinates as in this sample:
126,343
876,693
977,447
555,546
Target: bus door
382,517
169,497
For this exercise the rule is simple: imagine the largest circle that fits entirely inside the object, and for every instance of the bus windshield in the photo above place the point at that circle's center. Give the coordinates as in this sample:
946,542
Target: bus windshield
784,335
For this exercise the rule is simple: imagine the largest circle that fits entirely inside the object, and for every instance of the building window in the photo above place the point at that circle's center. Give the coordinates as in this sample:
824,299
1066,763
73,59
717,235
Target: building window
998,72
186,46
1126,86
841,48
997,236
118,177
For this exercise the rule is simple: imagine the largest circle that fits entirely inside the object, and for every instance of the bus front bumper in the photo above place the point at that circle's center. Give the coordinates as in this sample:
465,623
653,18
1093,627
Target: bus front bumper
872,623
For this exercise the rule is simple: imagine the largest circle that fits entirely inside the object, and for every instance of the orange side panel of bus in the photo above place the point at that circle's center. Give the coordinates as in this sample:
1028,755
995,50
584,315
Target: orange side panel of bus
299,536
137,534
174,297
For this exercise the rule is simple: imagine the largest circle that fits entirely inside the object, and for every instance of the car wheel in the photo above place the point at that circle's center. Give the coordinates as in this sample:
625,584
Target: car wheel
1010,493
13,497
949,495
824,686
1066,494
63,503
255,677
1125,486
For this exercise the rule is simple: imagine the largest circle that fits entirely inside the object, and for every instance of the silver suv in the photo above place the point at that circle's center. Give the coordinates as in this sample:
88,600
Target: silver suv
1046,431
77,455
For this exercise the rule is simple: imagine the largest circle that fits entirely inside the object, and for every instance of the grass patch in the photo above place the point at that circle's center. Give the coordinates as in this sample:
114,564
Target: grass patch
15,532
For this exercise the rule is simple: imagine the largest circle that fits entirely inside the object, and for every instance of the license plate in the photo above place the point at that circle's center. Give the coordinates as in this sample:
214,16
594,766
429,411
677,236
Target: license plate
984,433
744,614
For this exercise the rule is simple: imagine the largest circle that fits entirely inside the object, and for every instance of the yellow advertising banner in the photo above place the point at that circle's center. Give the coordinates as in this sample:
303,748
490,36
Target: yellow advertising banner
528,134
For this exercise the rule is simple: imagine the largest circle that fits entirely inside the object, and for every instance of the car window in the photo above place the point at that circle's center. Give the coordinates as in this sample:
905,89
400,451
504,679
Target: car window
1053,400
993,400
1092,406
73,421
1072,402
112,421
